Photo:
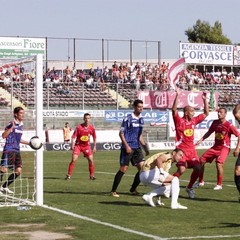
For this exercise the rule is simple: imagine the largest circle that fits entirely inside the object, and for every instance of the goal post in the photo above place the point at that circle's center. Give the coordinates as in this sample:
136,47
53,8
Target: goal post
16,90
39,128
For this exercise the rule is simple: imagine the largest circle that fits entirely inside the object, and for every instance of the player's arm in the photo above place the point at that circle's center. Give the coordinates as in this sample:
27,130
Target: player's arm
165,177
175,102
8,130
94,141
236,150
205,103
206,135
124,142
24,142
236,112
144,145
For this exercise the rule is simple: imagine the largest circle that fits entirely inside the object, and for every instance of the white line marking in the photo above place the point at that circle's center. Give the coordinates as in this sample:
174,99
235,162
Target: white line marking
197,237
103,223
128,230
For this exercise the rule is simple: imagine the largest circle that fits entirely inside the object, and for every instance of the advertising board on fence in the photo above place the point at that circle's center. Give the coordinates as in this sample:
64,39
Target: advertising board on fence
203,53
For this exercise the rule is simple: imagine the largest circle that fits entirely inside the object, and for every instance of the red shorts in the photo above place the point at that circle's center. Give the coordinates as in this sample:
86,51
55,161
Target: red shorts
86,150
190,158
219,154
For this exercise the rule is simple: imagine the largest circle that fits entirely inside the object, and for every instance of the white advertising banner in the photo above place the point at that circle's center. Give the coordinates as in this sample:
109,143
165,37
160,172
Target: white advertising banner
203,53
14,47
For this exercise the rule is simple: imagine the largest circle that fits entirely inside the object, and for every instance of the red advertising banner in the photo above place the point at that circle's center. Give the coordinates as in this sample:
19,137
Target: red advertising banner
164,99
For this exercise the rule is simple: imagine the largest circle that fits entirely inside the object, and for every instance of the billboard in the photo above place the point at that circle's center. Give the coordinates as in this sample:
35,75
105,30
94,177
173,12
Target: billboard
205,53
14,47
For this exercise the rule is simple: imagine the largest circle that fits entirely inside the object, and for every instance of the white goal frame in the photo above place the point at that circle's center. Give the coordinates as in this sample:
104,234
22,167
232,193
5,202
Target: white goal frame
38,119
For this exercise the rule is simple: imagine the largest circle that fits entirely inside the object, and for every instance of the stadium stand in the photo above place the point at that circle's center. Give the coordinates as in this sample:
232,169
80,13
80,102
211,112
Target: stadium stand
104,88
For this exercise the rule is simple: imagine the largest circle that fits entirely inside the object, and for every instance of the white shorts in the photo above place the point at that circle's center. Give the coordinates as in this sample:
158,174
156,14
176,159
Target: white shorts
151,178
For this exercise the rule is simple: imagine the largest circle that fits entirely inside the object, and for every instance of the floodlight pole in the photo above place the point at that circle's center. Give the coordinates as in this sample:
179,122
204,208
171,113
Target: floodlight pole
39,129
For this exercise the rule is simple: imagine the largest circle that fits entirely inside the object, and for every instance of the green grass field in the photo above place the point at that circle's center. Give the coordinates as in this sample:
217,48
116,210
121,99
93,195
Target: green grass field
84,209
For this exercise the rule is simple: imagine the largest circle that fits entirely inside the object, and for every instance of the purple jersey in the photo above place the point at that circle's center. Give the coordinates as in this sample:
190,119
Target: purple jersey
14,138
132,128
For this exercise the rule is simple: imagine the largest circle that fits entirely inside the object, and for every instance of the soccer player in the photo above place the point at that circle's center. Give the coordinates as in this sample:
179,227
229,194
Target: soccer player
81,143
236,113
155,173
184,127
11,157
66,133
132,140
221,148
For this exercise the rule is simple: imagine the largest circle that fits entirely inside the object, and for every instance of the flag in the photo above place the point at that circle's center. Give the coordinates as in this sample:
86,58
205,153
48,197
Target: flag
177,69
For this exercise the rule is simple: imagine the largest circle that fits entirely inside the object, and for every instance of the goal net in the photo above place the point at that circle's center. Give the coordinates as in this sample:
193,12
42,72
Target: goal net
21,86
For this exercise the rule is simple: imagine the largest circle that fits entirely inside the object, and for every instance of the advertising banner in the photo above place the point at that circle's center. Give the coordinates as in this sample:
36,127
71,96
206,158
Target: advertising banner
149,116
204,53
14,47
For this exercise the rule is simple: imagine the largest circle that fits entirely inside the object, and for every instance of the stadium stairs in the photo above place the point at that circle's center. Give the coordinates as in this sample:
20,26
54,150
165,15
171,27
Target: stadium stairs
123,103
6,96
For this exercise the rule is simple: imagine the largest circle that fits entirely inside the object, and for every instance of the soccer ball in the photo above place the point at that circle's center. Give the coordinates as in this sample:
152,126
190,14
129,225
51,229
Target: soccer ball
236,112
35,143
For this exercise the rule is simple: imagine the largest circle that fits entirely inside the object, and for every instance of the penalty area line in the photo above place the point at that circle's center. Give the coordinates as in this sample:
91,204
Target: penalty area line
128,230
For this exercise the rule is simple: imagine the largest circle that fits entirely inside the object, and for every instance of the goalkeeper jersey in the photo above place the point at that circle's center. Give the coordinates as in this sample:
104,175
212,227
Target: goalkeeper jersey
150,163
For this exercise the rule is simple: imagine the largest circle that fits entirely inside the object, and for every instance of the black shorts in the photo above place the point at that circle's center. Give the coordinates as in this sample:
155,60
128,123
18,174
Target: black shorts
135,157
11,160
238,161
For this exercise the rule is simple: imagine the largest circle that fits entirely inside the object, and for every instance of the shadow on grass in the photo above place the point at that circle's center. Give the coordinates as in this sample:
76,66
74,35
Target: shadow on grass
123,203
226,225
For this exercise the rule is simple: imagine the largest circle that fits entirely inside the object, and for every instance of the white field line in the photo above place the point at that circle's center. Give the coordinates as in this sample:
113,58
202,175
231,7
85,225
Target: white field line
103,223
133,231
128,230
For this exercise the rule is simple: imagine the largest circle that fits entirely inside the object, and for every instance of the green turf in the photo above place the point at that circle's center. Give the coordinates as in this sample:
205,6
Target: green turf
212,213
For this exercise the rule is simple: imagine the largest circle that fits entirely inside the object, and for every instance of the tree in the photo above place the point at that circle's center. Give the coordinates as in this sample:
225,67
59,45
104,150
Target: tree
202,32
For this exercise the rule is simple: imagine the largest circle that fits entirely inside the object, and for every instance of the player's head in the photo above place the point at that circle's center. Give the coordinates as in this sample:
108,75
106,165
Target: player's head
188,112
222,113
177,154
86,118
18,113
138,106
66,124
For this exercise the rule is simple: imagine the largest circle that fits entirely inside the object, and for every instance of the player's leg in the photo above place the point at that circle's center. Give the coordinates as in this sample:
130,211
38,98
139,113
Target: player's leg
237,175
136,158
175,189
3,167
124,163
75,154
207,157
91,167
219,167
222,156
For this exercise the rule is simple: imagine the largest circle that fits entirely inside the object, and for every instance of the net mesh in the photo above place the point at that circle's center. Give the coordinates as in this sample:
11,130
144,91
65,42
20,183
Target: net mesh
17,88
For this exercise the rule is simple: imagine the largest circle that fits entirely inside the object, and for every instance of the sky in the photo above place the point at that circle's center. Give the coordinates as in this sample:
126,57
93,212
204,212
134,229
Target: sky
147,20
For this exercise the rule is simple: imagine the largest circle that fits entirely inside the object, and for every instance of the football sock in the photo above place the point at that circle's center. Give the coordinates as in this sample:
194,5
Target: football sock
91,168
193,178
10,180
136,182
237,182
175,189
177,174
1,176
117,180
201,174
70,168
219,180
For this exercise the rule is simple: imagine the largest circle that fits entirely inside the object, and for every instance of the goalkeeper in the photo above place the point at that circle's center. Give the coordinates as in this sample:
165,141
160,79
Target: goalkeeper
154,173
